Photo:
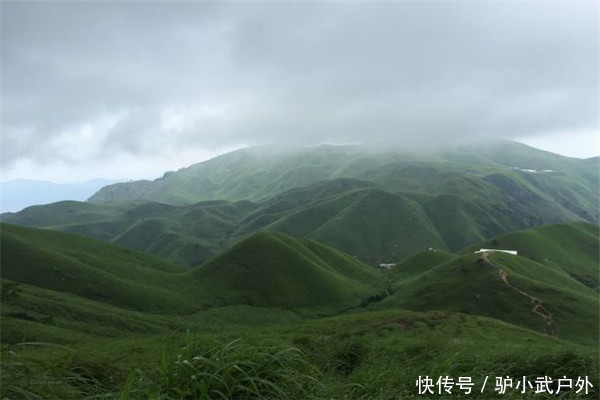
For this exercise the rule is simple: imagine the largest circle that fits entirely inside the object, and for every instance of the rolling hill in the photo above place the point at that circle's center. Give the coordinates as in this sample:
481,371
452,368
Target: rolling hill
259,173
542,288
557,265
275,270
119,310
265,270
377,205
570,248
91,269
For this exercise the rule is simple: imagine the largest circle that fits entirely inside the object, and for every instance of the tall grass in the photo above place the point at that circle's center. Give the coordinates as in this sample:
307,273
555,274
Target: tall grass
233,370
26,375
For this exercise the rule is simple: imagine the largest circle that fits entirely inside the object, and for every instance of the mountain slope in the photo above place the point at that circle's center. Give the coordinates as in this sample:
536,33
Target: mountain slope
90,269
419,263
396,204
259,173
187,235
571,248
266,270
546,297
372,224
275,270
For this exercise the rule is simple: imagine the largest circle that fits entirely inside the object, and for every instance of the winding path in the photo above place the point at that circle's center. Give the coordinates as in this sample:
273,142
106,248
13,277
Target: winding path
538,307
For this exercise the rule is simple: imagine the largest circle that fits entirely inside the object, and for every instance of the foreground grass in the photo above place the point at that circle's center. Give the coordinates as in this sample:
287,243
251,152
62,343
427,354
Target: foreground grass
363,355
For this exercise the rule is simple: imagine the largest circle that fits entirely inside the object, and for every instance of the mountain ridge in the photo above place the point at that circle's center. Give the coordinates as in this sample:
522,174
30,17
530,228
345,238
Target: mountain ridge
449,201
259,172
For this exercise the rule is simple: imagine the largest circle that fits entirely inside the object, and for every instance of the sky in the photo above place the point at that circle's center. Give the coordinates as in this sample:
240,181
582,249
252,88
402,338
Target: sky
128,90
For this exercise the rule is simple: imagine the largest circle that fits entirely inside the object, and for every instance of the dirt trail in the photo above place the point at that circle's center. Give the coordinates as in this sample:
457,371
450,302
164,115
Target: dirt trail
538,307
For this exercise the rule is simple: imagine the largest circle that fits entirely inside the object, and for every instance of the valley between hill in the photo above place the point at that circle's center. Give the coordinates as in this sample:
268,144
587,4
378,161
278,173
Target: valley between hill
260,272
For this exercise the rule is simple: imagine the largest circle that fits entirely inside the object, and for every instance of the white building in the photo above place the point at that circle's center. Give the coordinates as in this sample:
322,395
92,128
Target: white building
513,252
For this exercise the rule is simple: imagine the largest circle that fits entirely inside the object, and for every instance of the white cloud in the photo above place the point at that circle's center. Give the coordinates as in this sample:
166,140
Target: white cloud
196,78
580,144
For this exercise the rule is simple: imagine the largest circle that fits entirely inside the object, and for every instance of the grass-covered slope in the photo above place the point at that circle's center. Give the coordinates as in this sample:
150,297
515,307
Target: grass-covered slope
62,213
33,314
91,269
372,224
376,204
255,290
472,285
186,235
375,355
258,173
533,187
571,248
548,287
267,270
275,270
419,263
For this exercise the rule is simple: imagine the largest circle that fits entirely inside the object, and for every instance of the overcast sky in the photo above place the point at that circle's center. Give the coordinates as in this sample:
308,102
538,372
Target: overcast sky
129,90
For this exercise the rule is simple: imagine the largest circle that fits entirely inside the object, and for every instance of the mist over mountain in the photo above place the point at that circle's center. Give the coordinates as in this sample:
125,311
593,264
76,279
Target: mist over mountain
123,96
318,200
256,172
347,252
379,205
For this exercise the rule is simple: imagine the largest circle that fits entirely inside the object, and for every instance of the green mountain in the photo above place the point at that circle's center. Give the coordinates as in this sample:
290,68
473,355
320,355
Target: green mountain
377,205
557,265
251,277
550,286
266,270
91,269
570,248
118,311
187,235
259,173
131,346
275,270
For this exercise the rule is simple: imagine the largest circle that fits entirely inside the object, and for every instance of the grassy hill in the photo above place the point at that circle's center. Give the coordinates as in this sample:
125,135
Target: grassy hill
275,270
419,263
556,265
372,224
361,355
267,269
91,269
570,248
121,314
380,205
259,173
270,247
34,314
187,235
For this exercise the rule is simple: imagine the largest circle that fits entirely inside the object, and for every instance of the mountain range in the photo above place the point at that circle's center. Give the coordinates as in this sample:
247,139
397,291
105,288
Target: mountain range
276,271
377,205
366,261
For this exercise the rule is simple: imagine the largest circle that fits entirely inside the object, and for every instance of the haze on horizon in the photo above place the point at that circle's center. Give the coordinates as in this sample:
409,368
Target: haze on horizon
133,89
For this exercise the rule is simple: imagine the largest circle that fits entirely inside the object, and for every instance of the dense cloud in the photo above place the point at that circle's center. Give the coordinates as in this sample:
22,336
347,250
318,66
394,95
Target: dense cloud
92,83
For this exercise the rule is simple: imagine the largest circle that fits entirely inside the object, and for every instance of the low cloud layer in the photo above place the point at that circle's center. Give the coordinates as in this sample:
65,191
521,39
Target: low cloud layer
95,84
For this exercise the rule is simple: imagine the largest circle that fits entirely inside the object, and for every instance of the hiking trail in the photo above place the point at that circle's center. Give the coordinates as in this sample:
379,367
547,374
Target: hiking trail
538,308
